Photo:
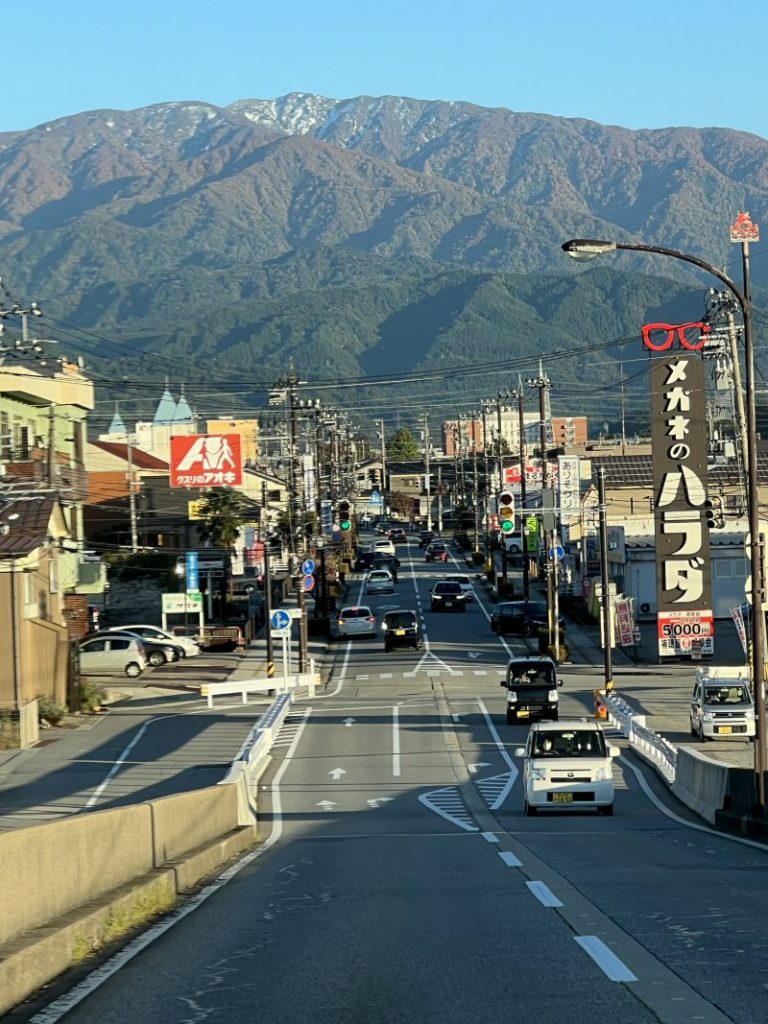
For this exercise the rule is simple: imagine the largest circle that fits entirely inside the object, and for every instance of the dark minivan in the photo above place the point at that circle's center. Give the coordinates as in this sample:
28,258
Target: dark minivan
402,628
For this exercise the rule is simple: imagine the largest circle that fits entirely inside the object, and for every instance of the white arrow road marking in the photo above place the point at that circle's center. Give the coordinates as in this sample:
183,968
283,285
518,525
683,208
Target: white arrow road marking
326,804
473,654
480,764
349,721
336,773
380,800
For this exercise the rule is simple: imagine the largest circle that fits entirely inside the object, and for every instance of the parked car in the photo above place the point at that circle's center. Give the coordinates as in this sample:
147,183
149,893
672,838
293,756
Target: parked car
158,652
464,582
380,581
437,551
186,643
567,766
531,684
402,628
112,654
356,620
521,618
448,597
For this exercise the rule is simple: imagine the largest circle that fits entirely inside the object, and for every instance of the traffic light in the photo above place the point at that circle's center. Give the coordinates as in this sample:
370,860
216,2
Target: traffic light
506,512
343,509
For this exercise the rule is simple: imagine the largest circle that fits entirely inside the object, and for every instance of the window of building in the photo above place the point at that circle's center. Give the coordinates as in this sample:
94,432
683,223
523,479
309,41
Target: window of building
31,609
728,568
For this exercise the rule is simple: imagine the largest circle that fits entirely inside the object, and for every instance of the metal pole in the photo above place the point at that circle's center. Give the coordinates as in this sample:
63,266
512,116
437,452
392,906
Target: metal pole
427,471
475,498
132,500
549,534
523,531
498,441
606,601
267,583
758,568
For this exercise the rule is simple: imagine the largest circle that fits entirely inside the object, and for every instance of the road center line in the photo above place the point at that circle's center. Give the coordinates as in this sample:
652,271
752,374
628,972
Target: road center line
396,741
490,837
510,859
544,894
606,960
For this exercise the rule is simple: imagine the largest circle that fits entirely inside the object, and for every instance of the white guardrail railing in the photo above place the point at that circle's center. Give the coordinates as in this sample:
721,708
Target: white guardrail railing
649,744
252,759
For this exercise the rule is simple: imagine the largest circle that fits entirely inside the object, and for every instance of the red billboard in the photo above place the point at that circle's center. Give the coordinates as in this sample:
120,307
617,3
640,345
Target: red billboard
206,460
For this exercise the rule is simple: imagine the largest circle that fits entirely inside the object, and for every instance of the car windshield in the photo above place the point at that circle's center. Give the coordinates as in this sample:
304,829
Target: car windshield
355,613
569,743
401,620
447,588
531,674
727,695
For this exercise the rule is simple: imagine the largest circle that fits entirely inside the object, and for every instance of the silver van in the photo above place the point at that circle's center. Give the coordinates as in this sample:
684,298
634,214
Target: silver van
722,706
107,655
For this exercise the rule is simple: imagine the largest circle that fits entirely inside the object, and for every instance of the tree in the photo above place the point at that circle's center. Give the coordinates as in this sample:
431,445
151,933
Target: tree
403,446
222,511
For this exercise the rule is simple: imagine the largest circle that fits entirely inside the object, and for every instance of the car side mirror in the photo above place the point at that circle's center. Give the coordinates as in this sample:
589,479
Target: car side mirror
503,682
614,751
519,751
559,682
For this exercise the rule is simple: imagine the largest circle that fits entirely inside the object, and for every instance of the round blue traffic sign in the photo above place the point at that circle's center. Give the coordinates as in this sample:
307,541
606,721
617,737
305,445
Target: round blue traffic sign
557,553
308,566
280,619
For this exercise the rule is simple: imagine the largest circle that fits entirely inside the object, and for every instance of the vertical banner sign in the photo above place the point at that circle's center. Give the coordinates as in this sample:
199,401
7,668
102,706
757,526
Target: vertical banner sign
568,483
679,445
192,572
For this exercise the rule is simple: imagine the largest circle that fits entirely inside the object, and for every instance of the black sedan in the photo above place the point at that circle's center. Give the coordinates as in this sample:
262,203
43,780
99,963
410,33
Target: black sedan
521,618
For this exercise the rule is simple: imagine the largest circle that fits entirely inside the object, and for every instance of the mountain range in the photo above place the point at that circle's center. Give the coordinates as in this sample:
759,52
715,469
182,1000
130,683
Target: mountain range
362,237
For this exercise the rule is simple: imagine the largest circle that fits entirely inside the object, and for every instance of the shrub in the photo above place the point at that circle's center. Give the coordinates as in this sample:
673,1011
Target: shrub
91,697
48,709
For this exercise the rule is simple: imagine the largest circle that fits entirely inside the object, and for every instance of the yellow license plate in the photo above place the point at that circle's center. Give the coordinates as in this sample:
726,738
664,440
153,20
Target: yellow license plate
562,798
522,713
399,632
725,729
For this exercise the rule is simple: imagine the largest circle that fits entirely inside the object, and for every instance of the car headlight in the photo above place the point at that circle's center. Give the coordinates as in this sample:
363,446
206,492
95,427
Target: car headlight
749,714
552,695
708,716
538,774
511,697
603,774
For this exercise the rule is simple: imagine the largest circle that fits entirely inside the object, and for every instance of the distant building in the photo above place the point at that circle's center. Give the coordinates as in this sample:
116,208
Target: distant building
248,429
569,431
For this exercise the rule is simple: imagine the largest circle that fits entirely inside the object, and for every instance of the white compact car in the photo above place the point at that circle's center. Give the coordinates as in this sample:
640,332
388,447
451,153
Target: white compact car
186,643
357,620
382,546
380,582
464,582
567,766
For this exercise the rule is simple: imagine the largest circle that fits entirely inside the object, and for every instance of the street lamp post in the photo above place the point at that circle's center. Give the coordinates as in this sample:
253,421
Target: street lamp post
589,248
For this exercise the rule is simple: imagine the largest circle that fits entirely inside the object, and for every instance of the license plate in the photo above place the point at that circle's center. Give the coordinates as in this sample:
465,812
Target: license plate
399,632
449,604
522,713
725,729
562,798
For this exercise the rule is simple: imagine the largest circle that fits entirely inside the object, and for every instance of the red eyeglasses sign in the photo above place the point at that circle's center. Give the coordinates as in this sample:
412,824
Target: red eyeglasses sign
660,337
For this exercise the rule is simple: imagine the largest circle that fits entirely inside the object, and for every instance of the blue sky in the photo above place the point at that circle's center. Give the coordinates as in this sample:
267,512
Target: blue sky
648,65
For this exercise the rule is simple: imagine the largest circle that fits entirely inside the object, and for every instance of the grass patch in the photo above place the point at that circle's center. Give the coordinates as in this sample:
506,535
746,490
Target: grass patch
123,921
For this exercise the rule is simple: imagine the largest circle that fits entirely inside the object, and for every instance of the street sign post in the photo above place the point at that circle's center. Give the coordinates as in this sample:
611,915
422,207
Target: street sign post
280,619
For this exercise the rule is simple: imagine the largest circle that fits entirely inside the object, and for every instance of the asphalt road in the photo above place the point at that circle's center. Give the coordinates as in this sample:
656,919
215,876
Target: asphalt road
400,882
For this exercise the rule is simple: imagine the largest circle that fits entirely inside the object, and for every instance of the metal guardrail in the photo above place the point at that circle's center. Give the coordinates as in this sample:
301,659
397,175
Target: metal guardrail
253,757
649,744
262,684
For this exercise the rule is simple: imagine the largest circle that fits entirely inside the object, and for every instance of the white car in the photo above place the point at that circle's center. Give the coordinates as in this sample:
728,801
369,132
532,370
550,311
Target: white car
380,582
464,582
382,546
186,643
104,655
567,766
357,620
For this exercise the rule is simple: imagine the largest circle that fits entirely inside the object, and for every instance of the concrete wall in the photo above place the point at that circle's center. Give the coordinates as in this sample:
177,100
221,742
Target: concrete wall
700,784
183,822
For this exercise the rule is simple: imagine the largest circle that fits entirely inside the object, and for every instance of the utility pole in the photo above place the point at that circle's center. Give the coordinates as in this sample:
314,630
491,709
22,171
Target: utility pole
542,383
427,470
132,498
606,602
380,424
523,496
475,498
51,453
439,498
267,580
294,501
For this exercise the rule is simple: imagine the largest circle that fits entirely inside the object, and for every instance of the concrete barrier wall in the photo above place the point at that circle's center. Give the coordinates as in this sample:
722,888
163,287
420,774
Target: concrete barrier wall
700,784
187,820
51,869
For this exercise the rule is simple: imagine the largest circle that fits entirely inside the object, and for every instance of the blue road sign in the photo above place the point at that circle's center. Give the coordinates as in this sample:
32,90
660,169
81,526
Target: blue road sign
557,553
308,566
192,571
280,619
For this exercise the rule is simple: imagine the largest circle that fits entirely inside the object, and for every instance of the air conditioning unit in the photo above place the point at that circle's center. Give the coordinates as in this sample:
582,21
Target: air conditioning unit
645,608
